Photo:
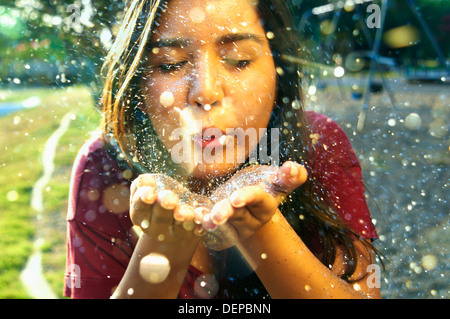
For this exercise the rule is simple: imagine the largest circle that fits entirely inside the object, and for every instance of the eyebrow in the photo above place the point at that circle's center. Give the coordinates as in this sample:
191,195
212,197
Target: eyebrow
235,37
225,39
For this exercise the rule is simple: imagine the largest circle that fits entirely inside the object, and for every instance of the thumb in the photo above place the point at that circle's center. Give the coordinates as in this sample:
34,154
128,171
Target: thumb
290,176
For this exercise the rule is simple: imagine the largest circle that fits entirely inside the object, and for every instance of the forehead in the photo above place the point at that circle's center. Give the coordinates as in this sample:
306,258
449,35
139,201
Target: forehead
202,19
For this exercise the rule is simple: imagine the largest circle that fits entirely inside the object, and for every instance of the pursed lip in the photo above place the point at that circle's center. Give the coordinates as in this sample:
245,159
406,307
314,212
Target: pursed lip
210,137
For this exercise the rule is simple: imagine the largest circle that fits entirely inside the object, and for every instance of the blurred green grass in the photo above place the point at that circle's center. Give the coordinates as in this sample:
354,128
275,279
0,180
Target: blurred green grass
22,139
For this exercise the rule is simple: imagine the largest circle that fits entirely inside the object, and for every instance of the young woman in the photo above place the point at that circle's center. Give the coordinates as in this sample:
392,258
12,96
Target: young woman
204,69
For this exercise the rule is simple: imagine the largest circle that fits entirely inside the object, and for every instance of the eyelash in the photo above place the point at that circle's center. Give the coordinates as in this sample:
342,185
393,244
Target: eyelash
240,64
172,67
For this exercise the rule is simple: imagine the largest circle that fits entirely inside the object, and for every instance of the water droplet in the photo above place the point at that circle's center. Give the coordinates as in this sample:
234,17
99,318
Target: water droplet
312,90
280,71
339,72
154,268
296,104
429,262
438,128
197,15
413,121
12,196
166,99
127,174
206,286
145,223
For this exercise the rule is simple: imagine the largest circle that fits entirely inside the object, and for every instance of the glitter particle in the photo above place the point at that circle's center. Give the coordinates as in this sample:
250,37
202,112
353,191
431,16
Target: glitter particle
154,268
166,99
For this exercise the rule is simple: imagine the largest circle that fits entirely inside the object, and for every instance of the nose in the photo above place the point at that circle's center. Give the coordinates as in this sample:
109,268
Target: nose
206,88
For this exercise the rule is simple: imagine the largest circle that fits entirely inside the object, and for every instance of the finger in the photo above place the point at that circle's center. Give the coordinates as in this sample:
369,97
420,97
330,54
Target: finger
183,212
200,216
207,222
142,180
221,212
163,211
141,206
291,175
247,195
147,194
199,213
256,199
167,199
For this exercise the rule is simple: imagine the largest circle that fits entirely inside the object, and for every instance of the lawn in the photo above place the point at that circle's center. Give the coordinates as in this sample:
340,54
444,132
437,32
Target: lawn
24,134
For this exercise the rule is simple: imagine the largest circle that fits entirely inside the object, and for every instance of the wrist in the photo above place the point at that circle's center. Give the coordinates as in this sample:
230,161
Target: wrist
156,269
159,245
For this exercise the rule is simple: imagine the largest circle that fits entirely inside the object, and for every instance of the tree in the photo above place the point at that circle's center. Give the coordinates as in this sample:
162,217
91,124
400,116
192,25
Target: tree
67,38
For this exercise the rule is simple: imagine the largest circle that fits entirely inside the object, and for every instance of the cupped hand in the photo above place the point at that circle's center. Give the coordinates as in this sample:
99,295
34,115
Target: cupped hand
161,215
248,201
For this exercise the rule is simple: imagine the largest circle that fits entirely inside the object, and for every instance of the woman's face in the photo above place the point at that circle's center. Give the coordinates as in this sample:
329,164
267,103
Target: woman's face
210,83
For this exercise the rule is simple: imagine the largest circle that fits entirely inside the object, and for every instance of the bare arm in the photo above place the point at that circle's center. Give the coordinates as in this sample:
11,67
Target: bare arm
288,269
135,285
165,247
284,264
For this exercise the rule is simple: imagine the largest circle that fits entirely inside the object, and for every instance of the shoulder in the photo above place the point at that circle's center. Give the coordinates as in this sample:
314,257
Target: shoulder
83,159
337,168
321,123
331,142
95,174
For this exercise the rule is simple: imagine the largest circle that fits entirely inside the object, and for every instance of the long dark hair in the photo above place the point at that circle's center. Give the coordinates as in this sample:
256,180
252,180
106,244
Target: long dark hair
305,209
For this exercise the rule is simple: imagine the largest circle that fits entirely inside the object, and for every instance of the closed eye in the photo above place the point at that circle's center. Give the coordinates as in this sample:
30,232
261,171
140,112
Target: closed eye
171,67
240,64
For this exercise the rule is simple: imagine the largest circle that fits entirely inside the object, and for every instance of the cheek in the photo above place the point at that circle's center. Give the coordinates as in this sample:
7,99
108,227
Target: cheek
163,100
258,92
163,96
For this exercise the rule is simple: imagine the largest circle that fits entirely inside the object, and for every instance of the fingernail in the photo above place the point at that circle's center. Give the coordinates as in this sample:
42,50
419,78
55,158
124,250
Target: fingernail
294,170
199,212
221,211
217,216
148,195
168,200
237,201
208,222
183,212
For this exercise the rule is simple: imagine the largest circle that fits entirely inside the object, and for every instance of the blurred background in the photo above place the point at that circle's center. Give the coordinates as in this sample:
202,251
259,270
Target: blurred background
379,68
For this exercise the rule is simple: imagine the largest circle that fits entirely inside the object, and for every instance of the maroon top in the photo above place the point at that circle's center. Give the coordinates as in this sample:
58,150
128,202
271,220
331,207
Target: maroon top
99,236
